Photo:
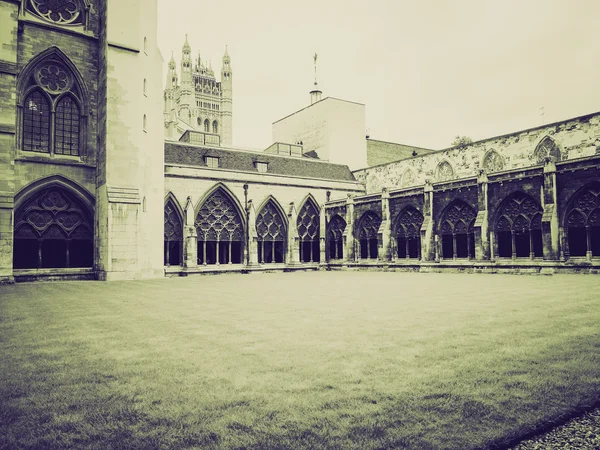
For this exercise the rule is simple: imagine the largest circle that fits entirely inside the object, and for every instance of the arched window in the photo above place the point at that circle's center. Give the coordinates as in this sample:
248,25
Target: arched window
173,235
220,230
367,235
519,227
335,241
52,114
408,233
444,171
308,224
215,127
583,223
408,179
206,126
546,147
458,239
62,12
53,229
493,162
271,231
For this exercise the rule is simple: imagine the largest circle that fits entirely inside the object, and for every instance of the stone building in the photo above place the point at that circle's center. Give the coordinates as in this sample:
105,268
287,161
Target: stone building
90,188
199,102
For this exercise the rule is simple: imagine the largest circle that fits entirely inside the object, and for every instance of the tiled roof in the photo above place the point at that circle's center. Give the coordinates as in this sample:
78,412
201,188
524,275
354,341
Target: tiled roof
192,155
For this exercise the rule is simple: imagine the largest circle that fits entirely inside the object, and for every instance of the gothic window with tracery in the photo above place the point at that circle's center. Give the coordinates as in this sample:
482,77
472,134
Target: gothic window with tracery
408,233
308,225
271,234
206,126
444,171
51,112
519,227
62,12
53,230
215,127
547,147
493,162
367,235
583,223
335,240
173,249
408,179
458,238
220,230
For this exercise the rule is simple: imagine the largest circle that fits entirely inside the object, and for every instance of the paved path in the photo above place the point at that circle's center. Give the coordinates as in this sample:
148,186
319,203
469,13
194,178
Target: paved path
578,433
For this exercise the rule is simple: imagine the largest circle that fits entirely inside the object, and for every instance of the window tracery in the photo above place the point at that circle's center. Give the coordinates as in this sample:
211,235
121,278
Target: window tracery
493,162
220,230
308,225
408,233
583,223
458,239
271,234
444,171
408,179
335,233
519,227
547,147
62,12
367,234
173,231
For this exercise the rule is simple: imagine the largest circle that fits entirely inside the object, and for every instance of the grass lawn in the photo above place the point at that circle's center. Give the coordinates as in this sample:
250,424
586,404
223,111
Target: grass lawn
364,360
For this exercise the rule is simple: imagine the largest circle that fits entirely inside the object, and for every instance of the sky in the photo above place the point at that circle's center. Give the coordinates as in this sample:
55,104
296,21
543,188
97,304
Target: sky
425,70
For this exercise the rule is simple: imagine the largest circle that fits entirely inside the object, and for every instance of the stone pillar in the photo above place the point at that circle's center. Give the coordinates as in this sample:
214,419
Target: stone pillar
190,237
550,232
481,228
384,234
252,236
428,251
6,238
322,236
293,250
349,250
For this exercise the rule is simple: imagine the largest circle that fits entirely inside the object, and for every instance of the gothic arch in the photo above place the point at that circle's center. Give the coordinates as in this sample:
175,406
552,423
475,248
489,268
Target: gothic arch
407,232
53,226
444,171
492,162
57,180
220,228
63,15
546,147
456,230
308,225
581,222
366,232
271,231
173,231
408,178
518,227
335,240
229,192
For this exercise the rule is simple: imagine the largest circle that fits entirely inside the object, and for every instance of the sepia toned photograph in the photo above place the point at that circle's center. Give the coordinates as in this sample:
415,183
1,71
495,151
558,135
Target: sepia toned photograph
299,225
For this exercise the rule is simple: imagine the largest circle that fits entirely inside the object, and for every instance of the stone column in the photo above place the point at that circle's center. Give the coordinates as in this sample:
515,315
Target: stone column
6,238
190,237
349,250
384,234
550,232
293,250
481,228
252,236
322,236
428,251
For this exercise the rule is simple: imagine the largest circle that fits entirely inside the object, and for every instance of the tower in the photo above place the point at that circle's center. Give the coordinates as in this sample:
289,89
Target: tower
186,89
170,106
227,107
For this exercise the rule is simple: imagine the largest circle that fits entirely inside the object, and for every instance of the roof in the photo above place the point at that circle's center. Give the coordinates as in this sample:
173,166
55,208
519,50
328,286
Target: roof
244,161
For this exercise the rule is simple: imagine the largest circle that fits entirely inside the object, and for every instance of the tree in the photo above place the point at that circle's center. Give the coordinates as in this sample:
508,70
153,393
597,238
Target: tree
461,141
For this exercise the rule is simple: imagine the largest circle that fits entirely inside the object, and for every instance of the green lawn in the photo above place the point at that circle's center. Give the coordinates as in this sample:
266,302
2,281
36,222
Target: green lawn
364,360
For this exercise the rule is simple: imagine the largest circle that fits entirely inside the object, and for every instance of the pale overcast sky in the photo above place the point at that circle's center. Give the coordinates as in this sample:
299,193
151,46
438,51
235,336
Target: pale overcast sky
426,70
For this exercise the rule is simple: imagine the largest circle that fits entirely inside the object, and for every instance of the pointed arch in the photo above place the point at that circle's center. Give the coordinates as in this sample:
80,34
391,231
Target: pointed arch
444,171
456,229
271,231
493,161
215,127
518,227
407,229
228,192
335,237
308,225
72,13
547,147
220,227
366,232
408,178
581,222
53,226
173,231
